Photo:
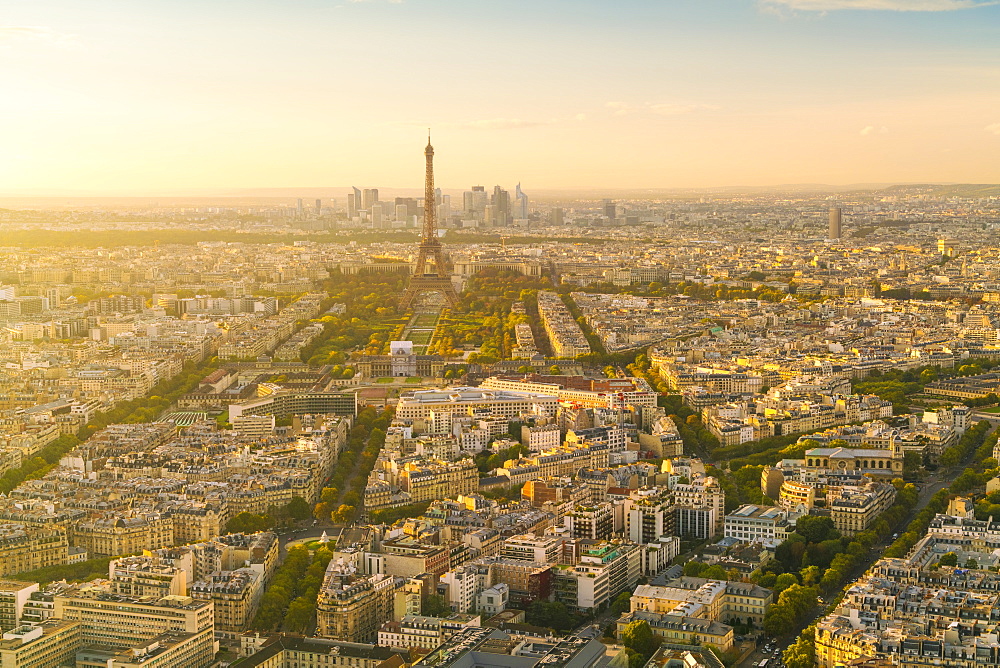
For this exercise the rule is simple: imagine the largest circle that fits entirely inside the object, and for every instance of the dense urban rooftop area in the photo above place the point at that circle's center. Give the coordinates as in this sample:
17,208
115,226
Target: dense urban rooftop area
682,429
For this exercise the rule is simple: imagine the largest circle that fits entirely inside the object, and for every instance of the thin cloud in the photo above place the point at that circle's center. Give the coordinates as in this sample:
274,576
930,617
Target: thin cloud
873,130
674,109
619,108
518,123
504,124
660,108
9,34
876,5
496,123
993,128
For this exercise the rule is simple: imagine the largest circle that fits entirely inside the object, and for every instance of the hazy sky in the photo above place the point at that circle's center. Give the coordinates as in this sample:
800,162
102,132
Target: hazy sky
137,96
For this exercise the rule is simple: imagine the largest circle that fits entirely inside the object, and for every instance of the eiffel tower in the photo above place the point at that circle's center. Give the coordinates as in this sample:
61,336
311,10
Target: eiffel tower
430,274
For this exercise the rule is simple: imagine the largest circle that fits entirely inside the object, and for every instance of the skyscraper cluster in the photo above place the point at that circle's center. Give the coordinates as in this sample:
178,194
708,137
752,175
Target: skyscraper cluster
495,209
364,205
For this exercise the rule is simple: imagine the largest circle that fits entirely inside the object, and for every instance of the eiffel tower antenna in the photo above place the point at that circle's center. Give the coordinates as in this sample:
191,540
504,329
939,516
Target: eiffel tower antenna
430,273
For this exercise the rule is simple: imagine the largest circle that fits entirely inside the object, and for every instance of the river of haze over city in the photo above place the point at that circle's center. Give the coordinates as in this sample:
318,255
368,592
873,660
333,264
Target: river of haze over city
522,334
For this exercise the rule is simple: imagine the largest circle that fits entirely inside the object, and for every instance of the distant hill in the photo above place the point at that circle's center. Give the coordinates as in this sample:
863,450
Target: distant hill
948,190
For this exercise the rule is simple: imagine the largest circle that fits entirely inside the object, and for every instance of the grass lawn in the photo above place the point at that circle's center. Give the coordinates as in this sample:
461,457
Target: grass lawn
425,320
414,380
995,409
421,337
385,380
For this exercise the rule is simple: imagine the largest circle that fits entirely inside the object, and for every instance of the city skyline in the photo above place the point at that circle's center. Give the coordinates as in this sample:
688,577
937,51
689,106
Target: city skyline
133,98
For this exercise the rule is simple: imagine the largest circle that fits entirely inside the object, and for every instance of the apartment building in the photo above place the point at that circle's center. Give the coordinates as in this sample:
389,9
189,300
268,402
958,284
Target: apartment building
594,522
125,533
433,479
649,515
700,507
415,631
564,332
235,596
854,510
351,606
604,570
25,548
545,550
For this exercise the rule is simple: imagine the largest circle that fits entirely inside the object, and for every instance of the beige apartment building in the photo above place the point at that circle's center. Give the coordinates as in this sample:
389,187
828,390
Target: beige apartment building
351,606
25,548
236,596
112,536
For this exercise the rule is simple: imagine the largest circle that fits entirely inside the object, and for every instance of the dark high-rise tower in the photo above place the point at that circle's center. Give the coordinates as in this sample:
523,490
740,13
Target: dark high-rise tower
835,221
501,203
425,278
609,210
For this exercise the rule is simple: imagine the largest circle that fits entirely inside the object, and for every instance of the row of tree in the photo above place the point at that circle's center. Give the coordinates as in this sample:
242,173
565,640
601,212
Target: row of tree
344,493
967,445
289,603
802,653
296,510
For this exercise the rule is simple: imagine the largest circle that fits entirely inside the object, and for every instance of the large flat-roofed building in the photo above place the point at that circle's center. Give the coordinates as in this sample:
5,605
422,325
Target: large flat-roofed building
584,391
762,524
544,550
420,404
166,649
142,576
297,403
50,644
13,596
476,647
120,622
